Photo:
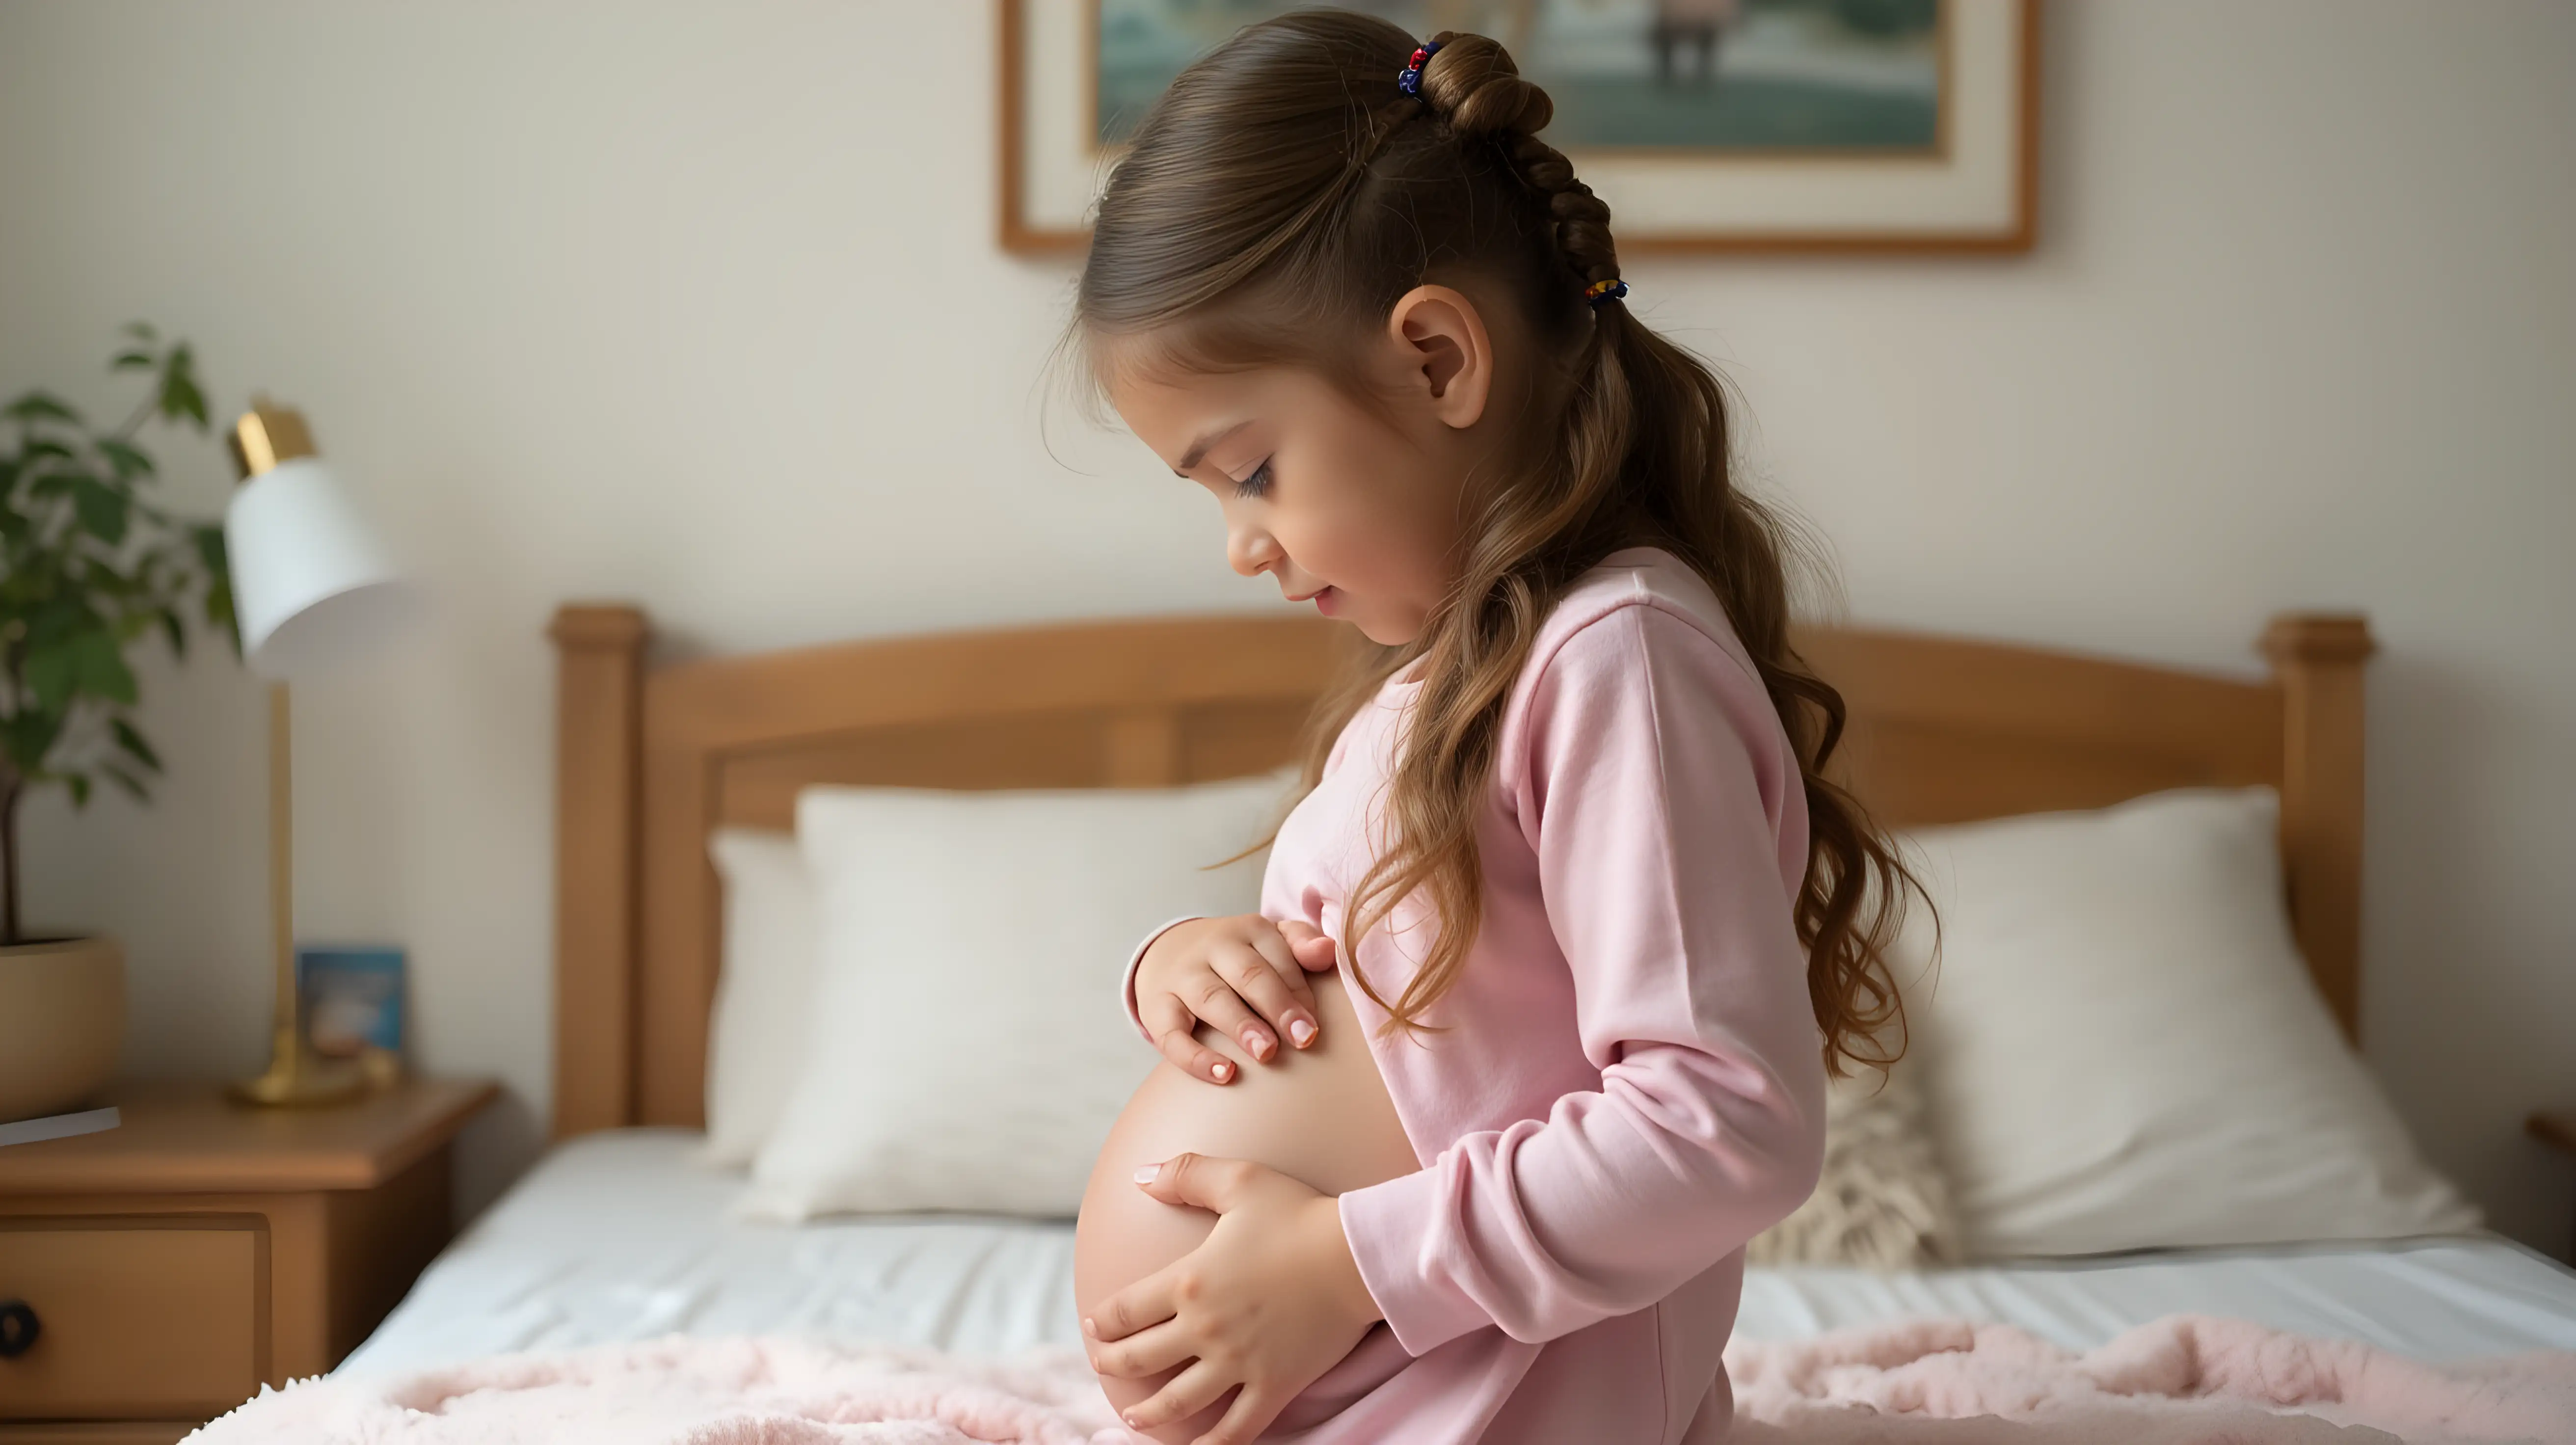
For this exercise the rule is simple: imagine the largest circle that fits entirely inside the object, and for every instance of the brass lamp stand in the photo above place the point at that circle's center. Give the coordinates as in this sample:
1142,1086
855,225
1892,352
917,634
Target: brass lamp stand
296,1074
309,584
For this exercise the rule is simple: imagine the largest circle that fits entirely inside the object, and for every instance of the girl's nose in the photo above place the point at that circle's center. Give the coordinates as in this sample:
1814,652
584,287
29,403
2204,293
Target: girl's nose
1252,551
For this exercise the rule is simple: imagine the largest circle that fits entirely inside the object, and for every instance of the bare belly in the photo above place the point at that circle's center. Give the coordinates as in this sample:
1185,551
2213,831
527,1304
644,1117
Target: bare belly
1321,1115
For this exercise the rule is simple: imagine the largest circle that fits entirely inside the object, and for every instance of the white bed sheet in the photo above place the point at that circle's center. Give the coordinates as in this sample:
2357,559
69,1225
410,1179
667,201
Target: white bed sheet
619,1236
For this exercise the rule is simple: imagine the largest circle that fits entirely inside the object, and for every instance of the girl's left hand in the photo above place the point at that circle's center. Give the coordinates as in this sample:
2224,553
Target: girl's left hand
1269,1301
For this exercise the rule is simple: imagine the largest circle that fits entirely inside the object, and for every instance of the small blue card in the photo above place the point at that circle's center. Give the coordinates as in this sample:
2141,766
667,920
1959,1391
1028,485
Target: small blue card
353,999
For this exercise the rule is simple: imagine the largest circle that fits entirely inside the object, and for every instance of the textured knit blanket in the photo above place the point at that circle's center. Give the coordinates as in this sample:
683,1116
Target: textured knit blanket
2188,1380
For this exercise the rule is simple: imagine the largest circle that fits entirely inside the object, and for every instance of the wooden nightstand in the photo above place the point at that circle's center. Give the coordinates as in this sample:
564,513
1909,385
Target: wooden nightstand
2557,1128
177,1262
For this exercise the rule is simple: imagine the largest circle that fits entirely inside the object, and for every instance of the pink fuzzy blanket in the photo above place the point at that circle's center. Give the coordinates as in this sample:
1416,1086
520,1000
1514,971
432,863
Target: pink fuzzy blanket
2183,1381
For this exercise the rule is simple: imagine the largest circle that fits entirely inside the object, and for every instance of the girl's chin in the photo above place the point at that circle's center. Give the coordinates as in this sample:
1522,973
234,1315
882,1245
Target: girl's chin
1338,605
1383,632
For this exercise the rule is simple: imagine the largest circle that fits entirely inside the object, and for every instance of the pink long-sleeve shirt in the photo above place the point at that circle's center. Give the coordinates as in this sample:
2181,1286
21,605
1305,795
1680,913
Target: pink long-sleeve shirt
1629,1085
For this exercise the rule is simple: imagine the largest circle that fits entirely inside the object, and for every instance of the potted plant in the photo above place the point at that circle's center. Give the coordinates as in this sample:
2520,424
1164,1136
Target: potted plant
90,568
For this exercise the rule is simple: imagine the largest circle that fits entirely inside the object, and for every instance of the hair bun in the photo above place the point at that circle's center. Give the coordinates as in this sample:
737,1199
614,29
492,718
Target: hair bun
1474,86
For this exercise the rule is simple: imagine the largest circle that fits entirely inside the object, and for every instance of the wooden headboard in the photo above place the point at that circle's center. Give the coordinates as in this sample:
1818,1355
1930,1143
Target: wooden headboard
651,758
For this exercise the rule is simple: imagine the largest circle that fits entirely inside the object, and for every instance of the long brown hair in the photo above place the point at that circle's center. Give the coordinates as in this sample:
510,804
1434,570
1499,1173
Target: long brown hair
1279,199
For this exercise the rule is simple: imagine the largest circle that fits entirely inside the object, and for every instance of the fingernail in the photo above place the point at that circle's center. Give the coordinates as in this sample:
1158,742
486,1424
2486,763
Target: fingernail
1222,1070
1146,1175
1252,1042
1089,1328
1300,1032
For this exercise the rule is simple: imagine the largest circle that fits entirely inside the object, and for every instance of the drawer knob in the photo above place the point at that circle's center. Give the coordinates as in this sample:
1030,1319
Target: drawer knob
18,1328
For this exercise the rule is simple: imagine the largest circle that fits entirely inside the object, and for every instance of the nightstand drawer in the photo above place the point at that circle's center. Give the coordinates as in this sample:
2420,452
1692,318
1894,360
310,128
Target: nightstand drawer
142,1318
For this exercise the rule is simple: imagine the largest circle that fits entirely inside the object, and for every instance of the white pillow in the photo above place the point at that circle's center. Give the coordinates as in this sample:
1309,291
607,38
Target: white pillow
2123,1050
756,1038
967,1046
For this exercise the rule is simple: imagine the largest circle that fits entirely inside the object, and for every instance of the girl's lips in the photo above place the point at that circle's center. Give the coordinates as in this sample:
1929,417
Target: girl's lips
1324,601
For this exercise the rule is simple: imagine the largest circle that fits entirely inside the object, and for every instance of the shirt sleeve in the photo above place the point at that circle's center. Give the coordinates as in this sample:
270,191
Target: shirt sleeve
1274,904
1667,815
1127,982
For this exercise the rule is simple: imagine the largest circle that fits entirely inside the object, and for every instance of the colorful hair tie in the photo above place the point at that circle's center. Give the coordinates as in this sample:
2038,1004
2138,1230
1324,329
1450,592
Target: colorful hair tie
1409,79
1602,291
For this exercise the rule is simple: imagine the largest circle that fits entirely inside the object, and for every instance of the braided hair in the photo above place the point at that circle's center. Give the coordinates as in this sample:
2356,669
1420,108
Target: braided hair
1472,85
1279,199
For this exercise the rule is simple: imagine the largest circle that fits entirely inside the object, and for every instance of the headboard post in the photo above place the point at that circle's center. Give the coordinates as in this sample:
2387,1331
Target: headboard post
2317,661
599,729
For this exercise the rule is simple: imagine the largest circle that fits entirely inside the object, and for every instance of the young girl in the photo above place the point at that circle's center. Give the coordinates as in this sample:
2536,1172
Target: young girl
1605,925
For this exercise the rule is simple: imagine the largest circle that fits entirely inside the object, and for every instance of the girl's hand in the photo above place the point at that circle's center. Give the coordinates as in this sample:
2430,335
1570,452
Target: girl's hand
1270,1301
1243,976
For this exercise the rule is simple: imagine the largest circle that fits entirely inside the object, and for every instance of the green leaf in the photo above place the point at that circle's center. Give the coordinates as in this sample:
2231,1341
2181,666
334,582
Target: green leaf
28,735
178,635
131,784
219,584
220,614
86,663
209,540
179,394
51,674
80,789
103,670
101,508
134,361
142,331
128,459
62,620
37,405
133,745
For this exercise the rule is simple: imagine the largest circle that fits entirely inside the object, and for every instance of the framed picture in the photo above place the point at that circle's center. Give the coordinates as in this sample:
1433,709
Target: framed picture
353,999
1708,125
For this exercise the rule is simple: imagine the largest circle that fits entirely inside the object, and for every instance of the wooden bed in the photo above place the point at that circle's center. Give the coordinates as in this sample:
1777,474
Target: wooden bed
651,757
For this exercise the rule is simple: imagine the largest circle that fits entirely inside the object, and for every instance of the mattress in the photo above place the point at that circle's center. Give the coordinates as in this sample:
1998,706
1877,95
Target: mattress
619,1236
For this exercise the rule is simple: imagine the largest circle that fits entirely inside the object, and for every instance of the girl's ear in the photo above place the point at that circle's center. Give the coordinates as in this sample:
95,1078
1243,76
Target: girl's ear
1446,353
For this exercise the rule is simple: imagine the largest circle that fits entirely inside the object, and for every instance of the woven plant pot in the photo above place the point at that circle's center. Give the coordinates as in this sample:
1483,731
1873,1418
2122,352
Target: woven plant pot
62,1019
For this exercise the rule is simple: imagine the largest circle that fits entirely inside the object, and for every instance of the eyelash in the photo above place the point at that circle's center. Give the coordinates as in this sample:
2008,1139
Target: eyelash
1257,483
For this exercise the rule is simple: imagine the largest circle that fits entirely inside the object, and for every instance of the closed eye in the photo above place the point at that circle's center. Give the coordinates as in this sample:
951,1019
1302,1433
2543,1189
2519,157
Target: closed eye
1257,483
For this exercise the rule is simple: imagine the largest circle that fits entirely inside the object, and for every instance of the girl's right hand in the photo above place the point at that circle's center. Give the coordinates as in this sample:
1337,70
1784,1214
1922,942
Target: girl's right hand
1244,976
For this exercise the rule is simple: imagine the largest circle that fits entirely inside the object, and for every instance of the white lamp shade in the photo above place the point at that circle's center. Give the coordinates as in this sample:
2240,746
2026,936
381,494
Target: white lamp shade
313,589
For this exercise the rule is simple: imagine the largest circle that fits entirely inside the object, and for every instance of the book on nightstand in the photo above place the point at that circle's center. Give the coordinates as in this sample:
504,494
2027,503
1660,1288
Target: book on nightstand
59,1126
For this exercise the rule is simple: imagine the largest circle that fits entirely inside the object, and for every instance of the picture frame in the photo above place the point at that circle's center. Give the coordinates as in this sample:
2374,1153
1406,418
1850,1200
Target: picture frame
1784,162
353,998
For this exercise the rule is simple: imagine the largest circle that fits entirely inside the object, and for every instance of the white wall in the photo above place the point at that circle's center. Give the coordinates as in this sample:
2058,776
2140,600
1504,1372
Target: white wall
696,305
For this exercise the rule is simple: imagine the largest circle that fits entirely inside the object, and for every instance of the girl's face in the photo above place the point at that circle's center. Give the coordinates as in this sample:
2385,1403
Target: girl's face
1359,509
